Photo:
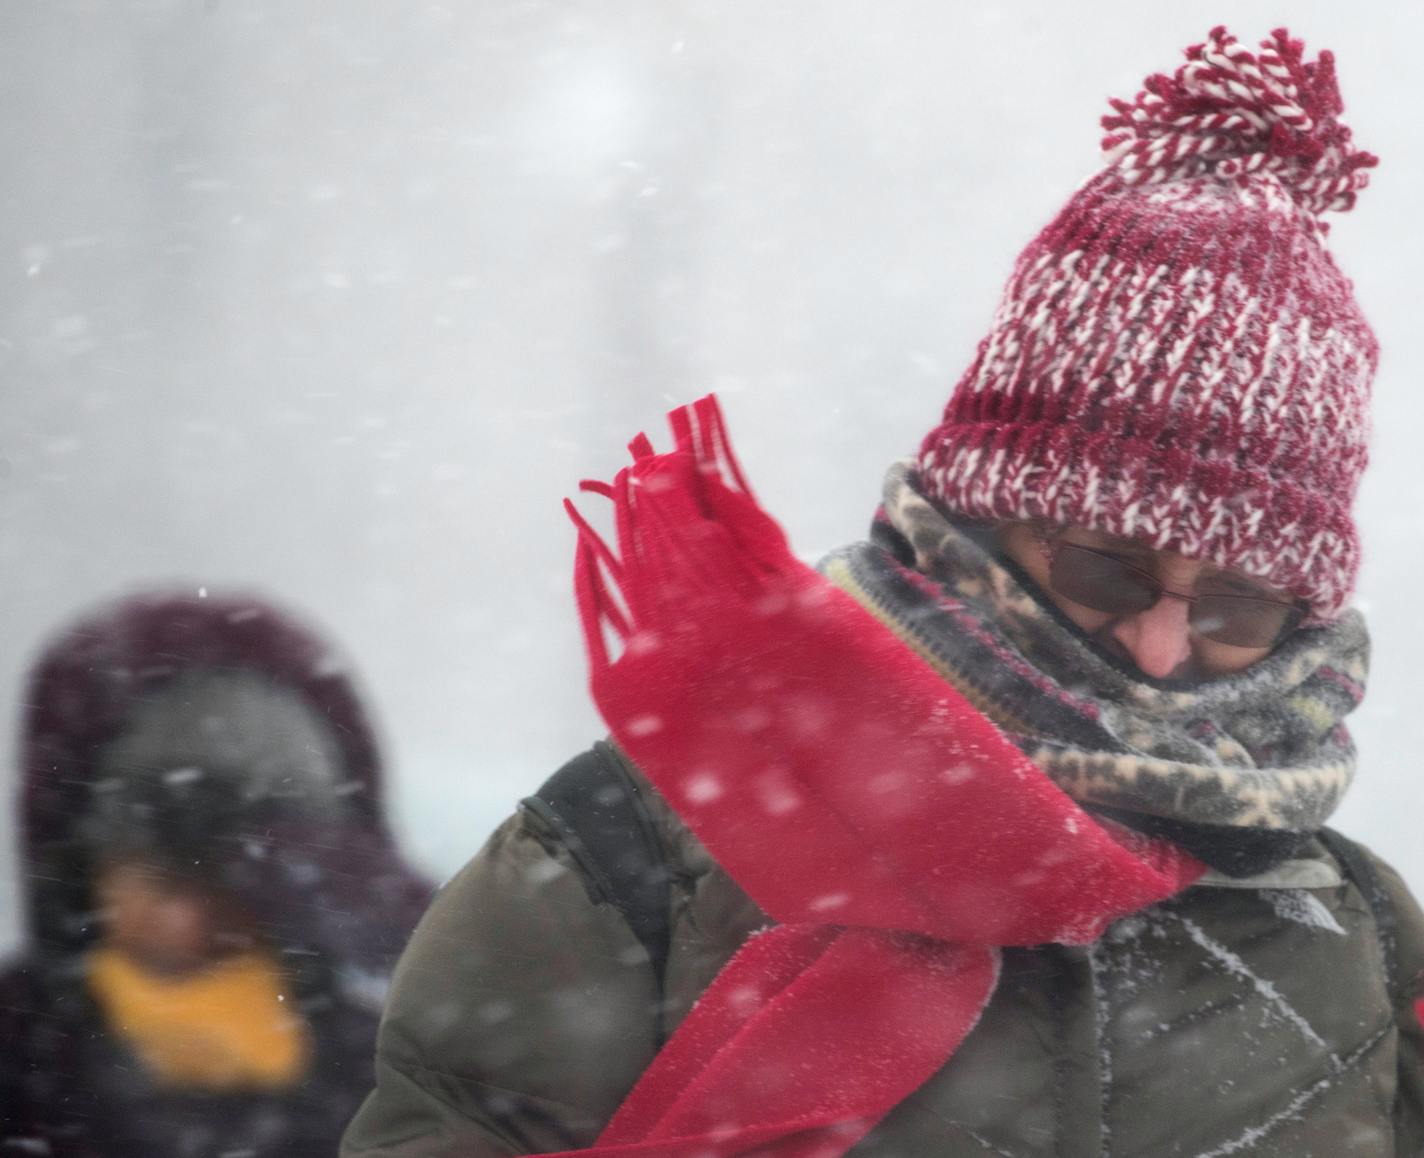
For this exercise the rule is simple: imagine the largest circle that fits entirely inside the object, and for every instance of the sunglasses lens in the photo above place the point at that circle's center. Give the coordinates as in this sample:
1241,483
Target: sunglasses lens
1114,586
1100,581
1242,621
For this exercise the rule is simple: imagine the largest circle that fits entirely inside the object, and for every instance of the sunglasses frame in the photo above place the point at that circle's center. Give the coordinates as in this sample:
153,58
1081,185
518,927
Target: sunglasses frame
1294,612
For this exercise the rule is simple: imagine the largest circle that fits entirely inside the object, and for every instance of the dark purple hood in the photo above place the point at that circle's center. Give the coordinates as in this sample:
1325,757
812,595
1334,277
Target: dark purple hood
318,865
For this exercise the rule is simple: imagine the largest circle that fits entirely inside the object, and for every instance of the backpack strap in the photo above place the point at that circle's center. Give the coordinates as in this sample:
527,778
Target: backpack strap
1360,869
600,813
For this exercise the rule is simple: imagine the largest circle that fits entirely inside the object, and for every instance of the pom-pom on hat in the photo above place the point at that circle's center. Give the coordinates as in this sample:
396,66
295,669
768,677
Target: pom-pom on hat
1176,358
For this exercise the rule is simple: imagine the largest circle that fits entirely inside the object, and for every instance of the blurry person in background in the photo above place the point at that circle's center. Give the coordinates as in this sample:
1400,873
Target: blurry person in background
214,901
1006,831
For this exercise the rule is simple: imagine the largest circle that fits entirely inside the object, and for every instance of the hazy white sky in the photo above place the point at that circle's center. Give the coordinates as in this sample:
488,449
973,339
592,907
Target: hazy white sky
337,301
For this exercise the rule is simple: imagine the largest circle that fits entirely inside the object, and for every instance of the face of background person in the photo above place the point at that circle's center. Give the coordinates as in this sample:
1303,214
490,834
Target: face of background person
1159,642
166,923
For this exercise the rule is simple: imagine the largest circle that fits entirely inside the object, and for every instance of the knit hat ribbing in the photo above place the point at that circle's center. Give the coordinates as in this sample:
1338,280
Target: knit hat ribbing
1177,358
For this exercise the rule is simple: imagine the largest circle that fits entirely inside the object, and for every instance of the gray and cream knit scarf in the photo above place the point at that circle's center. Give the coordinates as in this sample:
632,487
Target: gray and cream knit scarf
1238,769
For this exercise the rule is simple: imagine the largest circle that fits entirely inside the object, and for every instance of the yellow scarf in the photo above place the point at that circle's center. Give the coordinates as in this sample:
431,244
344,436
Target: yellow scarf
225,1028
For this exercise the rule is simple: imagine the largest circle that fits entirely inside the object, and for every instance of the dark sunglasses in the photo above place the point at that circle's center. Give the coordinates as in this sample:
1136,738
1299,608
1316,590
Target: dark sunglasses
1107,583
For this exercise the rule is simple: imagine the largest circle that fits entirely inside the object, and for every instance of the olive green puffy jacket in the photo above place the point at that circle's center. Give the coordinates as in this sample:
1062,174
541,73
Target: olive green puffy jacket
1237,1018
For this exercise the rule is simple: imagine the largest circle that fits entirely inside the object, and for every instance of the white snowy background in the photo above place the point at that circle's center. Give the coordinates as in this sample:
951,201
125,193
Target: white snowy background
336,301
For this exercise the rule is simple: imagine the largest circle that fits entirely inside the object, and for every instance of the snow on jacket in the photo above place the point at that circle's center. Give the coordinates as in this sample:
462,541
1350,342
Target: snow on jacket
1243,1016
221,730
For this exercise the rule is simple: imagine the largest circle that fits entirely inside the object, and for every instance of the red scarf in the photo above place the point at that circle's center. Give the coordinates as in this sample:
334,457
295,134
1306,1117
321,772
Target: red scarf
891,831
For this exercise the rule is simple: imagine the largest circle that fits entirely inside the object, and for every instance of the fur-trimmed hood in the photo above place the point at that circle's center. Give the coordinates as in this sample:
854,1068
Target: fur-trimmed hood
217,730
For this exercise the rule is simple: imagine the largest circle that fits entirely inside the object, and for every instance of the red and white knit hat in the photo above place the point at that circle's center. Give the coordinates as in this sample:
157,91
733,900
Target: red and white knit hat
1176,357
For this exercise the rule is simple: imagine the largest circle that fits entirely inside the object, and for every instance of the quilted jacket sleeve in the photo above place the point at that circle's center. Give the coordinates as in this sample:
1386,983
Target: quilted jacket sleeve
520,1015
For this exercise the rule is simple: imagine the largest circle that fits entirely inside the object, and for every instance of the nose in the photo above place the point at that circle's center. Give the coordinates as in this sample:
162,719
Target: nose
1158,639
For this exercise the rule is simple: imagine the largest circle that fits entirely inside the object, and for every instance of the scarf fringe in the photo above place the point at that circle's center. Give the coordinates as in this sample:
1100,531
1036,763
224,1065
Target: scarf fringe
688,529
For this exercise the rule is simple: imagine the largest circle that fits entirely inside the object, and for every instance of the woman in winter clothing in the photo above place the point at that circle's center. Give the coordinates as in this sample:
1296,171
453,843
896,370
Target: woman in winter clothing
213,903
1005,832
